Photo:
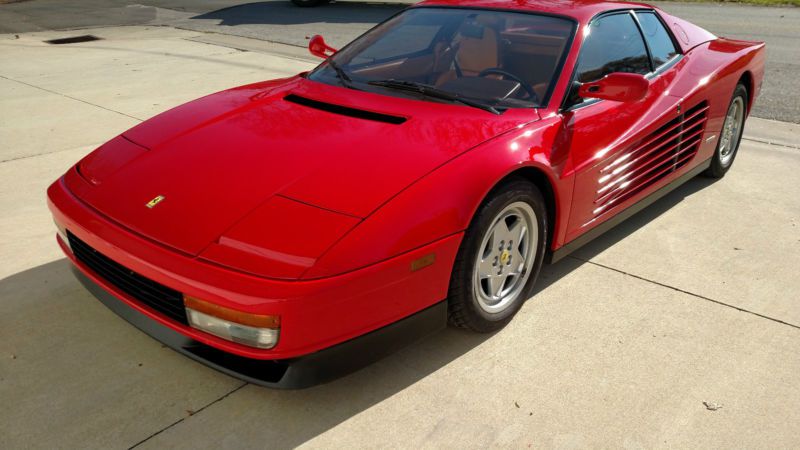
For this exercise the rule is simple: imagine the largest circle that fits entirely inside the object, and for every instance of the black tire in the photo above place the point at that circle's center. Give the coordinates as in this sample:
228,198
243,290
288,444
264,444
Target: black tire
309,3
464,310
718,167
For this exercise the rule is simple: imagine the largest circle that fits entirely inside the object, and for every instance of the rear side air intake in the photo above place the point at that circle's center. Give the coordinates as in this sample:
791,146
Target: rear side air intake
662,152
344,110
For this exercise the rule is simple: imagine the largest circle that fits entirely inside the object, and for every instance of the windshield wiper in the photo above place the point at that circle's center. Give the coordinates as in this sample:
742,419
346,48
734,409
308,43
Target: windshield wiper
341,74
433,92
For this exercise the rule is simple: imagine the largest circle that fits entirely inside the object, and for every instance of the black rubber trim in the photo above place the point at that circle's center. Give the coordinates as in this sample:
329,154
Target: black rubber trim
298,373
345,110
585,238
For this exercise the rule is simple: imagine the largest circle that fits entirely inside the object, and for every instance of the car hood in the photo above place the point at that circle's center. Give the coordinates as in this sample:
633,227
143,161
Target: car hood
213,161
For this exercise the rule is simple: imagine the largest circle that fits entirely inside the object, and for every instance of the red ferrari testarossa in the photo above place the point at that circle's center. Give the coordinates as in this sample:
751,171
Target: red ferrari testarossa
289,231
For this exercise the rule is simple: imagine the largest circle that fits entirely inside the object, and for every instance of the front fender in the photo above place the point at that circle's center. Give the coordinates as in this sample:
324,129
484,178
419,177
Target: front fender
443,202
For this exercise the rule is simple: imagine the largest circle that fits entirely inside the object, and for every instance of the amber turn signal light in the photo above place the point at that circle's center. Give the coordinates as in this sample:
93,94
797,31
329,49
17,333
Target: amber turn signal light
242,318
255,330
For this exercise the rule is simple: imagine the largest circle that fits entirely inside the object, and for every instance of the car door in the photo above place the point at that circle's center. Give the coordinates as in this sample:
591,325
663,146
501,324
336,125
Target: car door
622,151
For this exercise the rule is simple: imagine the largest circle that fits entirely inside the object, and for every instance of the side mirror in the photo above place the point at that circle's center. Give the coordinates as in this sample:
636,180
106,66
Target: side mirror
617,86
318,47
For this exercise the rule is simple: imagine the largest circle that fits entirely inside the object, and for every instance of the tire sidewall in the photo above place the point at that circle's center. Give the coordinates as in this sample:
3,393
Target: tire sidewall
717,168
508,193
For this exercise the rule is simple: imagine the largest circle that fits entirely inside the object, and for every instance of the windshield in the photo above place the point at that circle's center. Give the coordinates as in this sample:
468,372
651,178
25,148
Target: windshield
502,59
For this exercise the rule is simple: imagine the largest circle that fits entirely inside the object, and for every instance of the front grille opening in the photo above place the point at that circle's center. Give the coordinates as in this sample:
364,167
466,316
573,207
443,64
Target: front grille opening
74,39
345,110
156,296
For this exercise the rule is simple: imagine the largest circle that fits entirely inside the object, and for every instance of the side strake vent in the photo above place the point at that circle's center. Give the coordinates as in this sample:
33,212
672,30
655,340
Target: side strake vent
344,110
662,152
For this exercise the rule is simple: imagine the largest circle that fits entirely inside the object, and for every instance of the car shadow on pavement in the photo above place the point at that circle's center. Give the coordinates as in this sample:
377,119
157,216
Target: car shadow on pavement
552,273
284,12
61,346
50,296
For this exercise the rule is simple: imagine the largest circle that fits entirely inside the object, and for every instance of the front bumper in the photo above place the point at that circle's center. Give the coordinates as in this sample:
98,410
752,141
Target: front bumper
295,373
315,314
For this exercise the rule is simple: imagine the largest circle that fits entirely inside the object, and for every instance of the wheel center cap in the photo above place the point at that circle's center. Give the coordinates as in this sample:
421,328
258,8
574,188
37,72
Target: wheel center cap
505,256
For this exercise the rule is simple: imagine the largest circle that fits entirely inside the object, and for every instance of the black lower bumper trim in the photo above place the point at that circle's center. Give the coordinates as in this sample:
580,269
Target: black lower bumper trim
305,371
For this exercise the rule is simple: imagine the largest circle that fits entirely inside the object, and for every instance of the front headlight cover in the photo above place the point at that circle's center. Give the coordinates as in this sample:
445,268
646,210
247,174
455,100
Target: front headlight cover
280,239
254,330
251,336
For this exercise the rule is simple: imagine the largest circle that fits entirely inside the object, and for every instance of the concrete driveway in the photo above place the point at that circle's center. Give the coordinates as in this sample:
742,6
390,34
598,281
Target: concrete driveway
693,300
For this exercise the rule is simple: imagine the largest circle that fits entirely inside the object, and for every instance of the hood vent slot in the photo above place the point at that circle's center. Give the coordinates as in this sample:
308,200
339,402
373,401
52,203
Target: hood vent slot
344,110
660,153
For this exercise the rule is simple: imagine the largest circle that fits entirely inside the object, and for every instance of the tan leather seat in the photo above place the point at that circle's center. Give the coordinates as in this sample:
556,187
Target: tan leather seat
474,55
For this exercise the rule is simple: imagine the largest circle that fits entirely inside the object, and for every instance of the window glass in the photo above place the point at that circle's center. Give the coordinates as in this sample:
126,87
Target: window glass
407,38
503,58
661,46
614,44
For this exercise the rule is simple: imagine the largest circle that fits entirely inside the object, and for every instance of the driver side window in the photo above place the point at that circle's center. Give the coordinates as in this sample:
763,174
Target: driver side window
614,44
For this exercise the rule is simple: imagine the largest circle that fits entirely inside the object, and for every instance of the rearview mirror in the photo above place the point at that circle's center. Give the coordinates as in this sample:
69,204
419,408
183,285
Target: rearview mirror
318,47
617,86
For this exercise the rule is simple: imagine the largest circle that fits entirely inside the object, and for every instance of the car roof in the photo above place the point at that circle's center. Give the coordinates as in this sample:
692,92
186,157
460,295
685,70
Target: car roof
581,10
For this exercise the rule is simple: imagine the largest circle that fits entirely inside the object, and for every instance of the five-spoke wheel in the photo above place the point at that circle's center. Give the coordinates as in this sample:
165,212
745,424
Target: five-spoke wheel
731,134
731,131
505,257
499,257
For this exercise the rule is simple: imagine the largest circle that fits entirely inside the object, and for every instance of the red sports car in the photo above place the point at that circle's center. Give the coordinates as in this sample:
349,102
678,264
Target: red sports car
289,231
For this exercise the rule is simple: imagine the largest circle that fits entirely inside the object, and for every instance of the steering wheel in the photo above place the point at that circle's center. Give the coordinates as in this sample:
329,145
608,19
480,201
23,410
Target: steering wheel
525,86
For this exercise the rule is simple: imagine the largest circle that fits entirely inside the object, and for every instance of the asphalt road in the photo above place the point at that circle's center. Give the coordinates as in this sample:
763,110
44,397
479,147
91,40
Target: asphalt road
280,21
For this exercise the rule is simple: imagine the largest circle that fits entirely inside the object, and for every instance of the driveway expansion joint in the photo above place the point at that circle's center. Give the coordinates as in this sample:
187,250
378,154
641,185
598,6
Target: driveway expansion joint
702,297
70,97
217,400
777,144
